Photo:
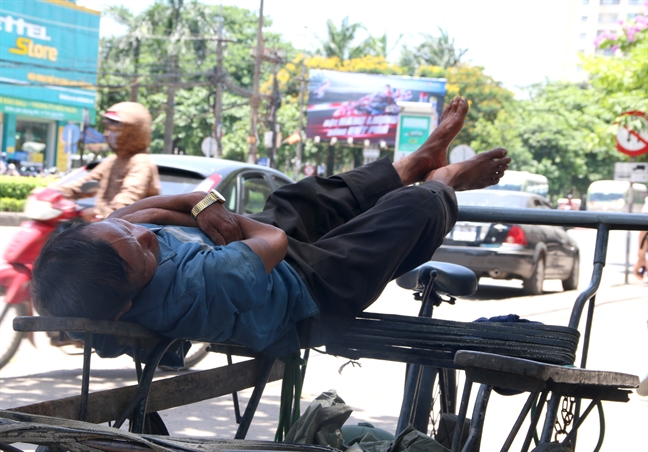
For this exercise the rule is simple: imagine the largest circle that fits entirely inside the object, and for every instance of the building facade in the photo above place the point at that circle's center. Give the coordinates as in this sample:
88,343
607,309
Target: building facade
48,73
588,19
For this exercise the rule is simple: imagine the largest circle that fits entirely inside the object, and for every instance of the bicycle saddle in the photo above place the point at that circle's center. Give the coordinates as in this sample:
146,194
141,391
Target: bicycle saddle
451,279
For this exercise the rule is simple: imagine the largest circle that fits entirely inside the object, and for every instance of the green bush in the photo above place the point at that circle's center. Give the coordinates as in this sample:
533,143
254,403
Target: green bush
20,187
11,205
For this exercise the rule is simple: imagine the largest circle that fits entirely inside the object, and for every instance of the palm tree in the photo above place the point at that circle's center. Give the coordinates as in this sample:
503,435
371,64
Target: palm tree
339,42
435,51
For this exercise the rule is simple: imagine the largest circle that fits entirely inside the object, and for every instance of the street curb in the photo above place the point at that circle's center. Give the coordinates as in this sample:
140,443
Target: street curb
12,218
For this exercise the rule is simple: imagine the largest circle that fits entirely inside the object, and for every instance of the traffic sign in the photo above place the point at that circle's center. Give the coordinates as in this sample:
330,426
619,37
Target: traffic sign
309,170
631,172
461,153
633,142
209,146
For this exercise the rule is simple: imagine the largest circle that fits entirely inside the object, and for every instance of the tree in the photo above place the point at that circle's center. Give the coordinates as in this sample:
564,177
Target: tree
433,51
623,76
561,132
340,42
195,27
485,96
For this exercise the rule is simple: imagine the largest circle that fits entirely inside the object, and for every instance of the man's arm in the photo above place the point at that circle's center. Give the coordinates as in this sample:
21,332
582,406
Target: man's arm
72,190
218,223
641,253
268,242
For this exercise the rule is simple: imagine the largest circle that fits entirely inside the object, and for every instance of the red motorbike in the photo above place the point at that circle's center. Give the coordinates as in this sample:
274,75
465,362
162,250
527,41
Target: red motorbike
48,212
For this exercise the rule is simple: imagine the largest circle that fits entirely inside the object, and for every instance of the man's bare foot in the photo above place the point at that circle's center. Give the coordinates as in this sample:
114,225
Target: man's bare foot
480,171
434,152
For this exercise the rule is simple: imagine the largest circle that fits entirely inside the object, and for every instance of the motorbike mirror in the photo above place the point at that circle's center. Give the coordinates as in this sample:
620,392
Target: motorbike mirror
90,186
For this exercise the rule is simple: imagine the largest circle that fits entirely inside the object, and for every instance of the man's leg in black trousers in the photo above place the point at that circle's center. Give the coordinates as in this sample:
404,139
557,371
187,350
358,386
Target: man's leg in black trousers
348,268
314,206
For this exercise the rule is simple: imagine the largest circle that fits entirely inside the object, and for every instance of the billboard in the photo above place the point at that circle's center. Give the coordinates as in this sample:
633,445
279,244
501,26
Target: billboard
48,56
364,106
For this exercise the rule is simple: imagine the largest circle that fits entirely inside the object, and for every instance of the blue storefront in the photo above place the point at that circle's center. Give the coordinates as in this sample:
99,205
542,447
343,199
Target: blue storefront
48,72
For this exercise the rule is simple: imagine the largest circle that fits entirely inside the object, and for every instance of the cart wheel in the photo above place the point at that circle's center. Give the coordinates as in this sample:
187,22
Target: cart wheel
533,285
9,339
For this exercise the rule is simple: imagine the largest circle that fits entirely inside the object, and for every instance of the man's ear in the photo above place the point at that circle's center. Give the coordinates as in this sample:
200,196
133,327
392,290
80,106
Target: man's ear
124,310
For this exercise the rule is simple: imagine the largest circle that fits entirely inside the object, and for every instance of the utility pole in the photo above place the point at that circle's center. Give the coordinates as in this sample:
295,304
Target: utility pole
300,143
218,103
276,101
170,105
135,86
255,98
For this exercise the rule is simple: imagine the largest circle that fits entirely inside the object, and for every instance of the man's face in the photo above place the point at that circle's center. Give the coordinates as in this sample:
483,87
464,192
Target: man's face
136,244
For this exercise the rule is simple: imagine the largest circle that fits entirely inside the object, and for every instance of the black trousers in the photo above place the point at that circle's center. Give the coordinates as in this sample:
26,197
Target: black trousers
349,235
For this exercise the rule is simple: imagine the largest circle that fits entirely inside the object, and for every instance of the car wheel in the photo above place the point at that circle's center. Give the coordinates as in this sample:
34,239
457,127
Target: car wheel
533,285
571,283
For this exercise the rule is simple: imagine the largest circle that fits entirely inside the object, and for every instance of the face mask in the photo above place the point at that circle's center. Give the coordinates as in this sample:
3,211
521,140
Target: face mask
112,138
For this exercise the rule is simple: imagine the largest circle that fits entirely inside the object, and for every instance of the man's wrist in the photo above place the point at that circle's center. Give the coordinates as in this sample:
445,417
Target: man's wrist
212,197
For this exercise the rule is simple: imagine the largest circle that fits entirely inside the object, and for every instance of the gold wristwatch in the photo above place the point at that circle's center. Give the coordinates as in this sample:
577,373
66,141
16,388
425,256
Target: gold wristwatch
212,197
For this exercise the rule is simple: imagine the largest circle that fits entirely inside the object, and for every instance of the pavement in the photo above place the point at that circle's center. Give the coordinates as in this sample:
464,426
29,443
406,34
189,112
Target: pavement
374,388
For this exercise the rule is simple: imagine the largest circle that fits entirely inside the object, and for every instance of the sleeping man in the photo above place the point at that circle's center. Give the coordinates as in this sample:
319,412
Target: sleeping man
322,250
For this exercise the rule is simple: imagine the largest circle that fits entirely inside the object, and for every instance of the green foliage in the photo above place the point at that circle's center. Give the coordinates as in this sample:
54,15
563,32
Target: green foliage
485,96
21,187
561,131
12,205
433,51
622,76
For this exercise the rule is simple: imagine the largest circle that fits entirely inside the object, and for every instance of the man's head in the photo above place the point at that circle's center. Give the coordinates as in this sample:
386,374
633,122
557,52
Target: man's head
127,128
94,270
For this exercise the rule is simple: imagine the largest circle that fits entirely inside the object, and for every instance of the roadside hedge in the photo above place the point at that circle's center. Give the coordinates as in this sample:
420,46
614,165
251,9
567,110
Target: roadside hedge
12,205
14,191
20,187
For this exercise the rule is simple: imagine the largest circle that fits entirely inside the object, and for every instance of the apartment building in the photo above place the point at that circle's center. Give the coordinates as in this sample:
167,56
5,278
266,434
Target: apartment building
588,19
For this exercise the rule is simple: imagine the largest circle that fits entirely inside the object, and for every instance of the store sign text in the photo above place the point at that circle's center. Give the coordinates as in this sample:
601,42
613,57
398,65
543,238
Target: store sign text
26,45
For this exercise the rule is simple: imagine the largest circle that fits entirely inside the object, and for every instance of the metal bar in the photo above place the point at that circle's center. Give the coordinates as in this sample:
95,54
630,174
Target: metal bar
534,421
461,417
479,414
592,220
137,357
253,403
531,400
550,418
235,400
144,387
85,378
597,273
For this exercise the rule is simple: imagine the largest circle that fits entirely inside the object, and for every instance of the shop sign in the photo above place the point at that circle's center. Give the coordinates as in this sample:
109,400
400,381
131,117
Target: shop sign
49,50
39,109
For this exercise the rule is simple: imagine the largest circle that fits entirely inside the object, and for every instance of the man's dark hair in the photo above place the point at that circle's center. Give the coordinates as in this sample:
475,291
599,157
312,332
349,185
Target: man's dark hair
77,275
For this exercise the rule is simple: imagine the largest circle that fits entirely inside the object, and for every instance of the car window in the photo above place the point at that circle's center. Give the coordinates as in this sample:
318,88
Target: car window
230,193
255,189
172,184
279,182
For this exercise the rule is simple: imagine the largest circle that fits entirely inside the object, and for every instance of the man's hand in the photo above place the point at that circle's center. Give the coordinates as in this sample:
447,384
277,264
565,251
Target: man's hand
219,224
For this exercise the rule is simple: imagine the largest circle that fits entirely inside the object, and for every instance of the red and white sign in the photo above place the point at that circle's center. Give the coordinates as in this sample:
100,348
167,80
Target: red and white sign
309,170
633,142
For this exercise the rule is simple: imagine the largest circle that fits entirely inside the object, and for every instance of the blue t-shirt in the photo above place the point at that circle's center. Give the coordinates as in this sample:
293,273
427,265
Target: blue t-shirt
205,292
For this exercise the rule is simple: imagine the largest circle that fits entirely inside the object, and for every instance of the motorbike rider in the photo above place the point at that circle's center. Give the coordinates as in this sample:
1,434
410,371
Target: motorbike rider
127,176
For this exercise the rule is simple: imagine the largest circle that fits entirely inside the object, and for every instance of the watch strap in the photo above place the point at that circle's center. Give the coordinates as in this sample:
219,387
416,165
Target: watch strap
212,197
